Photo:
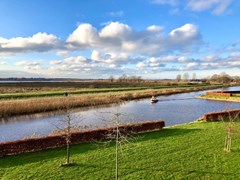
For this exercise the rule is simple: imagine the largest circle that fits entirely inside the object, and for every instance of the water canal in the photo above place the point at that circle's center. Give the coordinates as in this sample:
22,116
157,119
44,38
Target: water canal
173,109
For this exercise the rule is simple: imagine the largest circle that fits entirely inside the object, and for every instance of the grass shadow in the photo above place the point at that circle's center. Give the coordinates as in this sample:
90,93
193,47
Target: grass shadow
172,171
44,155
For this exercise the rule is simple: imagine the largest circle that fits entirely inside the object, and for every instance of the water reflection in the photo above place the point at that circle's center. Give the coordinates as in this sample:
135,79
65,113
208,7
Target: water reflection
173,109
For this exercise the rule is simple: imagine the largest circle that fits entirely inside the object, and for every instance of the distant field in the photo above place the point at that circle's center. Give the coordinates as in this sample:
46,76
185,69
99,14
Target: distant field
191,151
43,89
60,86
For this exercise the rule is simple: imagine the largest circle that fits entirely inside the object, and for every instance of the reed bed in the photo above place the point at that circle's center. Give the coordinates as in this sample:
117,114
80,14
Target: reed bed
44,104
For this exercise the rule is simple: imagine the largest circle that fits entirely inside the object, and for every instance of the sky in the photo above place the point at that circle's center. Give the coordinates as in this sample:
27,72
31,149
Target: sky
94,39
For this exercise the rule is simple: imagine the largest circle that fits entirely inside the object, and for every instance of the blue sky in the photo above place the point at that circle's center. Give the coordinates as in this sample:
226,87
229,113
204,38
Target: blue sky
98,38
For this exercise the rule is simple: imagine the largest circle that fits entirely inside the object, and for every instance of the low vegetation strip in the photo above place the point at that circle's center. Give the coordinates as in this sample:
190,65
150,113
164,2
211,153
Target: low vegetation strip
88,91
218,94
35,105
61,93
36,144
220,116
235,98
191,151
222,96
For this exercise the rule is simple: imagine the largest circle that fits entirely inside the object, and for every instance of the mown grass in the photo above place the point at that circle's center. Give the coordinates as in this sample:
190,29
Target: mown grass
191,151
234,98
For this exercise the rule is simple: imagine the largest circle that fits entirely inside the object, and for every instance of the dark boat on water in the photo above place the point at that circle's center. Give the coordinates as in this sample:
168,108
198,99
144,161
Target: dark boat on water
154,100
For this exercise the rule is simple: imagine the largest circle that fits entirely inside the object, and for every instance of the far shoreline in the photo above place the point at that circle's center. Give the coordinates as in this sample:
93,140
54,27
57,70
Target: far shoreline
218,98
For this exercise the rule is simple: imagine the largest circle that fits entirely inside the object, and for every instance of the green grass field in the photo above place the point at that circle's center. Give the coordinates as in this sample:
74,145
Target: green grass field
191,151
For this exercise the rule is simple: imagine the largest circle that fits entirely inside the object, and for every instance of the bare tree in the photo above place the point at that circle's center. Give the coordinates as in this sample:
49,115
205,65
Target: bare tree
222,78
225,78
194,76
231,129
111,78
66,126
118,134
214,78
186,76
178,78
122,78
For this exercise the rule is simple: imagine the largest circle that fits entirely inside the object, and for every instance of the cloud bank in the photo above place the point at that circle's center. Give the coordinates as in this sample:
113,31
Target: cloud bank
118,49
40,42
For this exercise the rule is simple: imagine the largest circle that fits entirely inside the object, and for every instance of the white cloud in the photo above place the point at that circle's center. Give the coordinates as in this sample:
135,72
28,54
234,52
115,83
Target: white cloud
39,42
75,60
170,59
155,28
55,62
154,64
63,53
96,55
118,37
27,63
32,68
85,35
187,33
113,38
234,64
183,59
141,65
235,55
216,6
209,58
115,29
192,65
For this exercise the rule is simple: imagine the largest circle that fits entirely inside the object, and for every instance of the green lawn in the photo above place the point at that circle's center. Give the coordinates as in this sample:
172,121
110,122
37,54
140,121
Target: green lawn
191,151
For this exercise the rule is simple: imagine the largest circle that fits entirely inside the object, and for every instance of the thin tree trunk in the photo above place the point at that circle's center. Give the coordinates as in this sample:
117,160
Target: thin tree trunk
67,153
117,154
68,136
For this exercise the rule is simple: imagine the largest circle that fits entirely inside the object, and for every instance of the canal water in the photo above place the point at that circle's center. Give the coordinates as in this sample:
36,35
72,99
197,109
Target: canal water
173,109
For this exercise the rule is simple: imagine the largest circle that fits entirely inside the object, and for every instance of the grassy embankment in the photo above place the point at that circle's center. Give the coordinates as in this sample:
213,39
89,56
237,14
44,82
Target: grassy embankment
33,102
191,151
233,98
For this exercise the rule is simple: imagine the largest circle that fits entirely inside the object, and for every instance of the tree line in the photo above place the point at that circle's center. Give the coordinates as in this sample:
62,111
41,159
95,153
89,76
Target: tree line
125,78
